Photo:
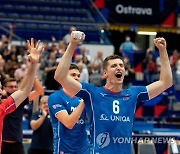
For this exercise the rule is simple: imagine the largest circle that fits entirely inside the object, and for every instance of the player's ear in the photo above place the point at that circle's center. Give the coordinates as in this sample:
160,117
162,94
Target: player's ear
104,74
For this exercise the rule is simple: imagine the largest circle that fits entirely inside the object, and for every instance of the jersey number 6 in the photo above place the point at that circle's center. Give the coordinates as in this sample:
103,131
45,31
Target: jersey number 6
116,108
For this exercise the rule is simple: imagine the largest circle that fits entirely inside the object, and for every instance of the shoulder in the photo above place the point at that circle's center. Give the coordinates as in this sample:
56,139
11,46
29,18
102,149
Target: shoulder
141,92
55,94
87,90
137,89
55,97
8,104
88,86
7,101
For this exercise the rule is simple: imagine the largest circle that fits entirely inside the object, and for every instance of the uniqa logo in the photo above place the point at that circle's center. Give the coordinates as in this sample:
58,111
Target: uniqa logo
103,140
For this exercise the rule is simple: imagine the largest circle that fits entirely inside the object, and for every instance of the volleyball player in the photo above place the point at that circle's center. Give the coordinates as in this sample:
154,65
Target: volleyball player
68,120
111,108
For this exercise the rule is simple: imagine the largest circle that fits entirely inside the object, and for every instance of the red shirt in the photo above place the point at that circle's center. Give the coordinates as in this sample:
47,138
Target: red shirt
7,106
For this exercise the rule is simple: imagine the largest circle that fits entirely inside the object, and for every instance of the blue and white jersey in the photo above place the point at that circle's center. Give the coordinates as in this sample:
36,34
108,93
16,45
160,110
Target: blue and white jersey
67,140
111,116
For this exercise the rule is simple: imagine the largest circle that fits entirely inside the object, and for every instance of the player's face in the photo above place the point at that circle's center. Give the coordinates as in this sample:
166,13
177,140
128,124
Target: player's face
75,74
115,71
10,87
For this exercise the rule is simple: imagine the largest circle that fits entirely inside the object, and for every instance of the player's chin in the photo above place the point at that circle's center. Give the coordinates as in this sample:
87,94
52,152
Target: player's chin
119,81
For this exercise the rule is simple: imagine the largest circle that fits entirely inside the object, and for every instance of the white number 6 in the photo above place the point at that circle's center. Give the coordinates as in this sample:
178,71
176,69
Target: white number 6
116,108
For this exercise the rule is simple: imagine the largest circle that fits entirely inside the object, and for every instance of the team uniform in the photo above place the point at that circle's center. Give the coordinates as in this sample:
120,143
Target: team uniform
12,131
7,106
71,141
111,116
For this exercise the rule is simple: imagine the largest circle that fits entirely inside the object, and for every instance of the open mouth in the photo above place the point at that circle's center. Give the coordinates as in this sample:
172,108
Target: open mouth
118,75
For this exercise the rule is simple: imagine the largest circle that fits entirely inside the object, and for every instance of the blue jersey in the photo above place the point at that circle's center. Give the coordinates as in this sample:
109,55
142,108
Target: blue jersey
67,140
111,116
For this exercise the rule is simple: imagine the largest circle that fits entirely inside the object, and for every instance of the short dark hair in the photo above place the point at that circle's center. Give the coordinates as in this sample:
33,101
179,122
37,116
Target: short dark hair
6,80
105,62
73,66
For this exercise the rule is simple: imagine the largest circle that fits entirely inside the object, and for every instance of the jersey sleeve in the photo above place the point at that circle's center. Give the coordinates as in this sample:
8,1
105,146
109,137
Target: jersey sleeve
85,91
142,93
55,104
8,105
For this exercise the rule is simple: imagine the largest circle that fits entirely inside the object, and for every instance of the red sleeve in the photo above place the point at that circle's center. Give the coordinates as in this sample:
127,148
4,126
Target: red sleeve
8,105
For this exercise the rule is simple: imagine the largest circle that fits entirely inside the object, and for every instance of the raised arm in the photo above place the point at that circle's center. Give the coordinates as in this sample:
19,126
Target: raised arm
38,90
165,81
26,85
61,73
69,120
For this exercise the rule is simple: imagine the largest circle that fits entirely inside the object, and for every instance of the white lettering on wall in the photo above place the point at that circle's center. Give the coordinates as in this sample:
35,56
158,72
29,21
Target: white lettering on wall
120,9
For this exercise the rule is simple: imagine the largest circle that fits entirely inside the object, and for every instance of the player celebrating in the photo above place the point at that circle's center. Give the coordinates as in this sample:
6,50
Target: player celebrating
110,108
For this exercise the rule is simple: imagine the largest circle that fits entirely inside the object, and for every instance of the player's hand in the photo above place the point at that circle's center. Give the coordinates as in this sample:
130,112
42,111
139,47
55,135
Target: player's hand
44,113
160,43
77,37
34,50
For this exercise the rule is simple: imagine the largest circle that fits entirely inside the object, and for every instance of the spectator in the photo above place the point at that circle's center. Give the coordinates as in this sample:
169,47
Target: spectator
6,41
49,69
86,58
42,137
128,45
3,75
98,60
20,72
84,74
173,61
177,75
127,48
129,73
66,38
151,69
95,76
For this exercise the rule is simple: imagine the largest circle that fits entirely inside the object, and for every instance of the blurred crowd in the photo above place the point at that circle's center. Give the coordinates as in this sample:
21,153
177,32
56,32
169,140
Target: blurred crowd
14,63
